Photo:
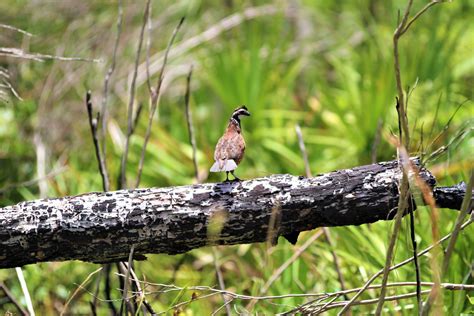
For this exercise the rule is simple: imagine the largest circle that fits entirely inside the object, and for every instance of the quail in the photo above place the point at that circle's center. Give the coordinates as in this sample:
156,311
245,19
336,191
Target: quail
230,148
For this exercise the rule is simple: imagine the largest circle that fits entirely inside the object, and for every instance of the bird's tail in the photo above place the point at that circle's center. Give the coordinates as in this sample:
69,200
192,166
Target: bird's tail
223,165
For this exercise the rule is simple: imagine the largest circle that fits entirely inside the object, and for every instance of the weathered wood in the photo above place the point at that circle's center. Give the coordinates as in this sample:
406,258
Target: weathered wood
101,227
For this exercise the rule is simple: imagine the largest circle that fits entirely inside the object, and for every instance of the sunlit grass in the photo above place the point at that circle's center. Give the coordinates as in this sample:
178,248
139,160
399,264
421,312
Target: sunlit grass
329,68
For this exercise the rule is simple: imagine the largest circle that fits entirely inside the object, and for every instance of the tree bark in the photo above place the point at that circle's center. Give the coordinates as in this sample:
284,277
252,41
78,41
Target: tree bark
102,227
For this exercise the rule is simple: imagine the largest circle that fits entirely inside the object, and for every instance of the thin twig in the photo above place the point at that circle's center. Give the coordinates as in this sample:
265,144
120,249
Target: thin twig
226,305
94,303
435,153
106,87
466,207
320,296
155,94
402,27
277,273
50,175
428,197
7,84
9,27
148,46
367,302
325,307
100,159
435,118
457,138
337,264
167,288
123,166
140,292
81,286
12,299
125,298
19,53
404,130
415,259
423,10
137,117
189,120
107,289
220,279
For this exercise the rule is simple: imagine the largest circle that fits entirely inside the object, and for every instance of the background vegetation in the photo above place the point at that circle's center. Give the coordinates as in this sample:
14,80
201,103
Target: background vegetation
326,65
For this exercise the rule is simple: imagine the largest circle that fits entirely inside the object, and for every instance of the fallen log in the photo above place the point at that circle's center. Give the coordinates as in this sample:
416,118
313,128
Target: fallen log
102,227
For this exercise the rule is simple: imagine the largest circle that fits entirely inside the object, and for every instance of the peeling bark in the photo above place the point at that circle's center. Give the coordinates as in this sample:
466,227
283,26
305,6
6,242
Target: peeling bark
102,227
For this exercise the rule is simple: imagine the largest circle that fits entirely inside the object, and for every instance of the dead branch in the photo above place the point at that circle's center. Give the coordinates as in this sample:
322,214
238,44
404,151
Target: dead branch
102,227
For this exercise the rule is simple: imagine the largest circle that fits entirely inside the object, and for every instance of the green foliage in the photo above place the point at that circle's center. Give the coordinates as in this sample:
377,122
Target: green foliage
326,65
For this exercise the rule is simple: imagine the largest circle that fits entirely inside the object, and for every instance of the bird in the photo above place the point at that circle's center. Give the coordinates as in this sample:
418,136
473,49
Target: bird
230,148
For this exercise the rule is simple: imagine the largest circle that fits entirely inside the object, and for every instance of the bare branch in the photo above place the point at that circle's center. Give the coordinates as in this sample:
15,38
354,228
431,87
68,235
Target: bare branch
166,288
106,87
19,53
32,231
12,299
423,10
189,121
140,293
81,286
125,298
9,27
465,209
123,165
100,159
402,104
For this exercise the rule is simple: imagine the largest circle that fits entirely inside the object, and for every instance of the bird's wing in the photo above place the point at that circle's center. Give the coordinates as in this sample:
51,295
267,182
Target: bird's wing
219,152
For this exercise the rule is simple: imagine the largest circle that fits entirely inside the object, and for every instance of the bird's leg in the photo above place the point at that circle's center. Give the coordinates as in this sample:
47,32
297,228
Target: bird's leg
235,177
226,176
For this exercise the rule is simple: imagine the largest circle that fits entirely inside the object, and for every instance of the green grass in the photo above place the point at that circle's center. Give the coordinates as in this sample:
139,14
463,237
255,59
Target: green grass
327,67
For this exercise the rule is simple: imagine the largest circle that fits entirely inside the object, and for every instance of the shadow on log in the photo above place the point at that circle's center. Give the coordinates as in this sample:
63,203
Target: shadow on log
101,227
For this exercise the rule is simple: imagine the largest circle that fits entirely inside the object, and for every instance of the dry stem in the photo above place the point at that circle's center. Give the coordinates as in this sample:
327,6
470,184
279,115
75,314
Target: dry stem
155,94
123,177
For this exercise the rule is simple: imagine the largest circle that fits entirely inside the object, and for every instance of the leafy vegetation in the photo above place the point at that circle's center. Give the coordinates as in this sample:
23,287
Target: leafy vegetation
326,65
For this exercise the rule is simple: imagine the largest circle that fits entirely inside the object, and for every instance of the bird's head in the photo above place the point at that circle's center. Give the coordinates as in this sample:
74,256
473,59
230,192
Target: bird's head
240,111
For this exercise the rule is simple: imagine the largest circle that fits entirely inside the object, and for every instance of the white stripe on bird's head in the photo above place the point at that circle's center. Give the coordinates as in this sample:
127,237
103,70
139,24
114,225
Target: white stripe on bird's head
240,111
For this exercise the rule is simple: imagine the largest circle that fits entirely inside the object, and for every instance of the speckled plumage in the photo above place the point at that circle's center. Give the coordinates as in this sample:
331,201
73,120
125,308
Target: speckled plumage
231,145
230,148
